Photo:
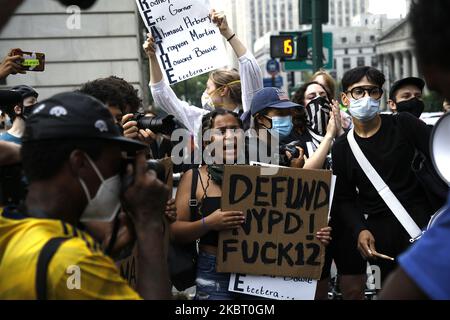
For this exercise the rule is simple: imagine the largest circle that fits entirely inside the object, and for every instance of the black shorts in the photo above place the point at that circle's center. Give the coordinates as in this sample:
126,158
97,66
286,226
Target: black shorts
343,250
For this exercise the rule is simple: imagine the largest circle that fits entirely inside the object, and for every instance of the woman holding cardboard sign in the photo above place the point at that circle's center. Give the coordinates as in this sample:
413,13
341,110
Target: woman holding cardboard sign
198,202
227,89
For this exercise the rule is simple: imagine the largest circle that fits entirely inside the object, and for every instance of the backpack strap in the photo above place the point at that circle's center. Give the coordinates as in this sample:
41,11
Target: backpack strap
45,256
193,203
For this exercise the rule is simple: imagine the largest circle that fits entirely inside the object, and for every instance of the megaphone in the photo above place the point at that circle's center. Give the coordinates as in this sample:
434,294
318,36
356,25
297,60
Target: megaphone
440,147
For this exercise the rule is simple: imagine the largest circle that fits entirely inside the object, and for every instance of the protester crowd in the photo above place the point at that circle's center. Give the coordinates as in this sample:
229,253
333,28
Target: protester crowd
90,194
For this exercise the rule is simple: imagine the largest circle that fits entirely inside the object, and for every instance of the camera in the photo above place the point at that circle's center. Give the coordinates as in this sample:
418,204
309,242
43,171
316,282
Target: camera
156,166
292,149
157,124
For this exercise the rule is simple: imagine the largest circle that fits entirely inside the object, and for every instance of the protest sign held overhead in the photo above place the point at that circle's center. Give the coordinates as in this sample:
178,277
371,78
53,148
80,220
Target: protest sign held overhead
188,43
283,213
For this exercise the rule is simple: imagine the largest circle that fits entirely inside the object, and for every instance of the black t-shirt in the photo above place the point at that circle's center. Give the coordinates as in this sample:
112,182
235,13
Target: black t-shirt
390,151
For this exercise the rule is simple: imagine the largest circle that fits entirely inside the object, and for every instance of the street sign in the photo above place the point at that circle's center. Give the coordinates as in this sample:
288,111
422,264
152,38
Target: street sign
275,82
282,47
307,64
273,67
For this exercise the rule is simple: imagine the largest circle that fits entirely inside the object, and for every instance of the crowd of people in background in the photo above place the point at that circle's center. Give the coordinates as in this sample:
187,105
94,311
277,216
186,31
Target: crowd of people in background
90,195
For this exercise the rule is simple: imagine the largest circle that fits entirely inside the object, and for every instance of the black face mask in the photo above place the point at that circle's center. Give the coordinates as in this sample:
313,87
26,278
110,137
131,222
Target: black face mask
27,111
413,106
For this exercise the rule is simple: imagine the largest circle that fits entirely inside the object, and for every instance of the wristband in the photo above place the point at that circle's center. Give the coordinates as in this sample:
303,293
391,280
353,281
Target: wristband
234,35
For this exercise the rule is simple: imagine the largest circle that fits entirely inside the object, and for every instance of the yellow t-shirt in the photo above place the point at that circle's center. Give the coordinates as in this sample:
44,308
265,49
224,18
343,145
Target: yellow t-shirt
78,270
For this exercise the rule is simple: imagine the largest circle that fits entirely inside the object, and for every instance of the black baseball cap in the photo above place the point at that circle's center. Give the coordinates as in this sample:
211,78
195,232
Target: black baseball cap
74,115
419,83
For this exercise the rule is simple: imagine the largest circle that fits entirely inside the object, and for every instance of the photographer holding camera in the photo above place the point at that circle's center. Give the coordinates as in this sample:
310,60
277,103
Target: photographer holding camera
73,158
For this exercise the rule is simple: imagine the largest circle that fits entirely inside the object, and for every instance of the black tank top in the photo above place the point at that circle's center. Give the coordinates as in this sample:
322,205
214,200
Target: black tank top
209,205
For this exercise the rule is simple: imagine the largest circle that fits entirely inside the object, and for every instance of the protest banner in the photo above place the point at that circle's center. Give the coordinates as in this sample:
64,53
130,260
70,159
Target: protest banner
188,43
283,213
277,288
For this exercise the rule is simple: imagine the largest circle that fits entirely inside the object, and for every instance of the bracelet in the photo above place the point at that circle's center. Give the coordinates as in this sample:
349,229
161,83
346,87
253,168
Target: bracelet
234,35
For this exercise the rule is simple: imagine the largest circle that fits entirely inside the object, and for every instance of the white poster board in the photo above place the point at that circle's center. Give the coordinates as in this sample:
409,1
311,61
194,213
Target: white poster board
188,43
276,288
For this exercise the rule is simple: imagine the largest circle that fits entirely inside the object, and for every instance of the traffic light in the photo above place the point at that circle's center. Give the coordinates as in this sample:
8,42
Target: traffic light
282,47
305,8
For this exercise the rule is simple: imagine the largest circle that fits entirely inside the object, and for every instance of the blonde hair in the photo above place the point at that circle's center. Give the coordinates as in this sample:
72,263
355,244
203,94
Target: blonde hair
330,84
229,78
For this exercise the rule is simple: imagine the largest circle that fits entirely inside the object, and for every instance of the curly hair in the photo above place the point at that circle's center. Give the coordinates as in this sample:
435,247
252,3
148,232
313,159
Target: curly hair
114,91
106,91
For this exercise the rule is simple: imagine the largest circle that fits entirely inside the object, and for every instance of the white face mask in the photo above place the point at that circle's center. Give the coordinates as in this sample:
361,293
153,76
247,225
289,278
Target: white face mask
106,203
207,102
364,109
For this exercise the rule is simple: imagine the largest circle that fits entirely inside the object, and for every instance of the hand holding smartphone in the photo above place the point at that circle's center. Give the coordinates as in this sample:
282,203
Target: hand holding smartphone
31,61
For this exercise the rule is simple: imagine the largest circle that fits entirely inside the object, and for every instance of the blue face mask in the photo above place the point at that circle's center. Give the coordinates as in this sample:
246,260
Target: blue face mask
364,109
282,126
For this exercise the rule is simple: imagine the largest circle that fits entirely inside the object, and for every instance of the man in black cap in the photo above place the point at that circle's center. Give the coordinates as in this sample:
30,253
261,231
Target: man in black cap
406,96
72,155
19,112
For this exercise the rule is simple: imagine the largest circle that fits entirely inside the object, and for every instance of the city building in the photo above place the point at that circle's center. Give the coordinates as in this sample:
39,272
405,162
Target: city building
341,12
395,53
107,42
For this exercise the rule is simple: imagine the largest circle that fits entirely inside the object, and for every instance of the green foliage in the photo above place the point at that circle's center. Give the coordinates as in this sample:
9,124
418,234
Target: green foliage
191,90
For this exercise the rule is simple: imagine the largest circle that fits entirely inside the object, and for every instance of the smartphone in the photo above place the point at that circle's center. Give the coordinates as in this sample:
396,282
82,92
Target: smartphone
32,61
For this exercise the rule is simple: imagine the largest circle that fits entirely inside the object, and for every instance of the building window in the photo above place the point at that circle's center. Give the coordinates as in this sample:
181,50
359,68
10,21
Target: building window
372,38
344,39
361,62
358,39
345,51
374,61
360,50
346,63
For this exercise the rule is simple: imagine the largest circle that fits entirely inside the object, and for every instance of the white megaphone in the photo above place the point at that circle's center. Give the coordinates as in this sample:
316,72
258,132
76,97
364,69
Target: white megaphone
440,147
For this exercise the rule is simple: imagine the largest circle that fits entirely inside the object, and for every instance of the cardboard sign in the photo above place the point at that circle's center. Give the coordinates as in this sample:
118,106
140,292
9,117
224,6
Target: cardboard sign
277,288
188,43
283,213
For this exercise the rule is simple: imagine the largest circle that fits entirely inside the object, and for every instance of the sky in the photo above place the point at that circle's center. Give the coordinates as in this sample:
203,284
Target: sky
393,8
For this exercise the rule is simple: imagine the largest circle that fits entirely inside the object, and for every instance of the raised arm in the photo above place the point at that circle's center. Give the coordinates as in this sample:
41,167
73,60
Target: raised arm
249,70
189,116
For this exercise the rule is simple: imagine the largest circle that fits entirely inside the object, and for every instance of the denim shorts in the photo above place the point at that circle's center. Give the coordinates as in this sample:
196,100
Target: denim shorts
212,285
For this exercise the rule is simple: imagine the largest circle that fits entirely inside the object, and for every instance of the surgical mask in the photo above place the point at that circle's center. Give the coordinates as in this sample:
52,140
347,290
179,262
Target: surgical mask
364,109
318,115
282,126
207,102
106,203
413,106
207,98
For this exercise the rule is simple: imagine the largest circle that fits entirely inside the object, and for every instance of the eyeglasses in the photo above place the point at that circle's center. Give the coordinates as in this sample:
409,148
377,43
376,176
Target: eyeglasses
359,92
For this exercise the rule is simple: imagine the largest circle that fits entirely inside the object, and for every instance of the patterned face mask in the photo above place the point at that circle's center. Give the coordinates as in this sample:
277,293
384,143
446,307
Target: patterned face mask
318,115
